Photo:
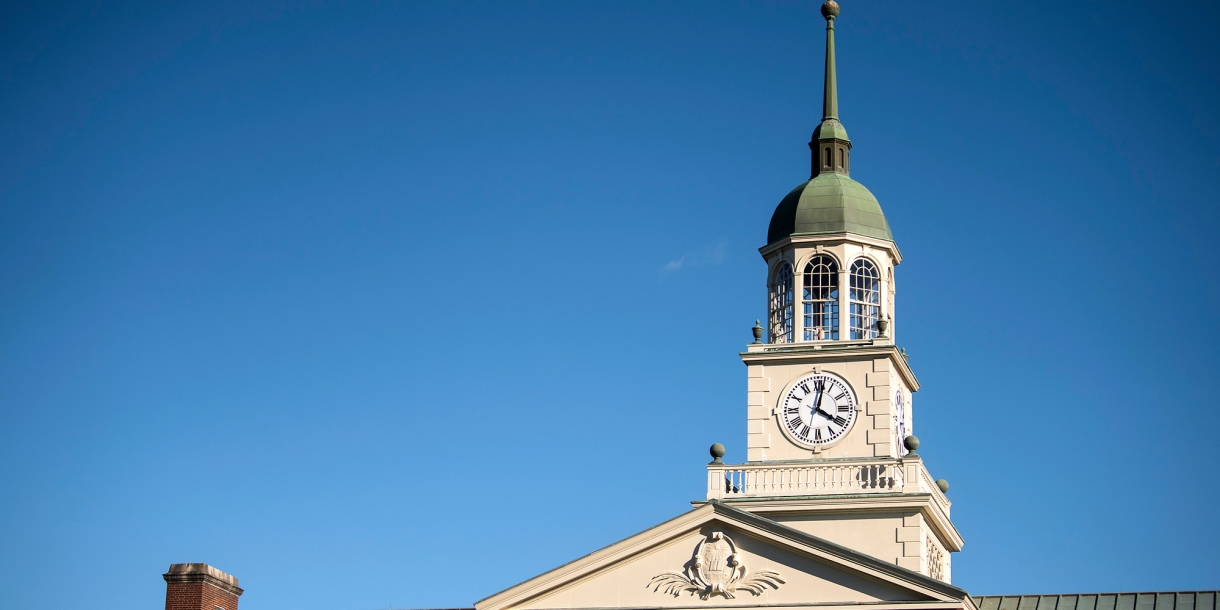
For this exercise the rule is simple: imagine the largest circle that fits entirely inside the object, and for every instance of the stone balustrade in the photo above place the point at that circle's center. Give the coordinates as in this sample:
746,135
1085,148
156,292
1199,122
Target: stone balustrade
825,477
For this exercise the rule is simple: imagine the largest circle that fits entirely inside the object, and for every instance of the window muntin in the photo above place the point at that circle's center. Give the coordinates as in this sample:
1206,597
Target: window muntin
780,320
820,299
865,298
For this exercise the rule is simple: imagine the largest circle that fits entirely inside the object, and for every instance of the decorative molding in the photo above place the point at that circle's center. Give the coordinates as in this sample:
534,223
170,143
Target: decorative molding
837,351
936,560
940,595
715,569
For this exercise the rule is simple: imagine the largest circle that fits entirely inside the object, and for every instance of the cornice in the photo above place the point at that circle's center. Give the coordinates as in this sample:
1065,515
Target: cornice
583,566
883,605
821,352
845,554
805,240
855,504
206,579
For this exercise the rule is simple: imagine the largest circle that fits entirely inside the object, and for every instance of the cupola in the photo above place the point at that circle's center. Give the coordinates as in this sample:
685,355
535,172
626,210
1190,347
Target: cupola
830,201
829,252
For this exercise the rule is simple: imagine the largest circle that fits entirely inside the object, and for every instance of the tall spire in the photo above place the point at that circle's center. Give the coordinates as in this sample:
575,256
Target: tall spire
830,147
830,98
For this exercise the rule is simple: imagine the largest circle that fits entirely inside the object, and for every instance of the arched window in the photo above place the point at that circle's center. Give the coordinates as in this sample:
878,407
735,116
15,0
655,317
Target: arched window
865,299
820,299
840,158
781,305
830,160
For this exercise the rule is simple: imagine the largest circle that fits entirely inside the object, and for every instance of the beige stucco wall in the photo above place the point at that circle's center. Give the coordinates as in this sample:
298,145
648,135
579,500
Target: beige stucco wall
903,538
872,534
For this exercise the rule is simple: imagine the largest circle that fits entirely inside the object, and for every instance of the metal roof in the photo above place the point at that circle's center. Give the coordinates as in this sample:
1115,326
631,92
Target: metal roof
1149,600
829,203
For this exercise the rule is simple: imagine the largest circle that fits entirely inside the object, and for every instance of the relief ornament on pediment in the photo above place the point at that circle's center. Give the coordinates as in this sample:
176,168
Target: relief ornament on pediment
715,569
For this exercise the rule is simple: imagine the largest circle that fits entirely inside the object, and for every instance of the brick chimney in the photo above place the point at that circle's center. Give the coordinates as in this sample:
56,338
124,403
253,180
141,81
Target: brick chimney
199,586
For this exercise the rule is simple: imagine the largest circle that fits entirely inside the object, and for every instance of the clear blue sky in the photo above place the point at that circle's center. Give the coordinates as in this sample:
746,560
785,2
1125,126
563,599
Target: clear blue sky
377,304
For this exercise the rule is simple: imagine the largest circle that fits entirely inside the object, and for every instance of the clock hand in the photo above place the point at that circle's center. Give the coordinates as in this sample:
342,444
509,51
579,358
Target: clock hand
817,400
817,405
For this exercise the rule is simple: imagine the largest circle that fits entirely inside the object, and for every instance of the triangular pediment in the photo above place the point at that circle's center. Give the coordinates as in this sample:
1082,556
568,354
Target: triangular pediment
719,556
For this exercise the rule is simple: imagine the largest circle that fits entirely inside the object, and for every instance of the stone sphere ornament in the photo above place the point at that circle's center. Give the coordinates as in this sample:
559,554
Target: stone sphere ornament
830,9
717,451
943,485
911,443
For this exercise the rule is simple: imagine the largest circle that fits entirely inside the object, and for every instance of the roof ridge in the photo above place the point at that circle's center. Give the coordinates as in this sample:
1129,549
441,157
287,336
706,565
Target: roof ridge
1176,591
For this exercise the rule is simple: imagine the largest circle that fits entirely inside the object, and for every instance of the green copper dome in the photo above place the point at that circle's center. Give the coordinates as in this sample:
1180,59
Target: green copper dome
829,203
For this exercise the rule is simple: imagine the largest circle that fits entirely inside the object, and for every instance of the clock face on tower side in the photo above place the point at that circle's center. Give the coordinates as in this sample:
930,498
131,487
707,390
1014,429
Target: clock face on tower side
818,409
900,421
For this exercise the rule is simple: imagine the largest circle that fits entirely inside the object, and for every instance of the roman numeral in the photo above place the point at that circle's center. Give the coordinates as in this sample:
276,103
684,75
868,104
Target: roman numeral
792,410
839,420
844,408
817,434
840,396
804,388
805,430
820,385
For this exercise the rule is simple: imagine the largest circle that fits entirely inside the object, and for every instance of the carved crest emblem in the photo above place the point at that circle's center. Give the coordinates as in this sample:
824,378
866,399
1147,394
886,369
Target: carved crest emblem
716,569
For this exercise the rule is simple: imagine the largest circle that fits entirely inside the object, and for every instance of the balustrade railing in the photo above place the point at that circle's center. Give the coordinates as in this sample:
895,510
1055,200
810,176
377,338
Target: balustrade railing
727,481
928,486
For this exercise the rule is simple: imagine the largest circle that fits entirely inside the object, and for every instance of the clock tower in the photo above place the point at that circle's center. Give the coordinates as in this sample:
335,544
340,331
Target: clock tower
829,404
833,507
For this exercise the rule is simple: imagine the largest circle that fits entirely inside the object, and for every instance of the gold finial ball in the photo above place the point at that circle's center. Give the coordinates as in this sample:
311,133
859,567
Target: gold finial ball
830,9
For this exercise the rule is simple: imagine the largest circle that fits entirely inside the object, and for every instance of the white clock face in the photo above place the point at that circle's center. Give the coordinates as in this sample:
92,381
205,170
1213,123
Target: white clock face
818,409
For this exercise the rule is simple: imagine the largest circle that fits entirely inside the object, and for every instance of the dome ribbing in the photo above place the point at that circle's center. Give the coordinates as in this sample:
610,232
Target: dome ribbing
829,203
